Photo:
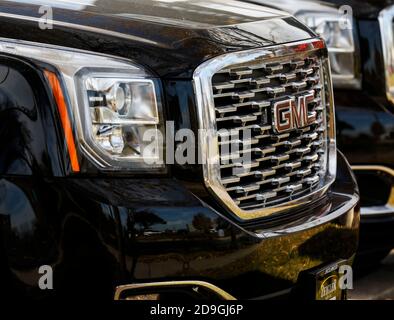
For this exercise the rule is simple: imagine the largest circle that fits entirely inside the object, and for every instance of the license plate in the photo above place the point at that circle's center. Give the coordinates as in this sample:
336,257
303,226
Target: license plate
327,283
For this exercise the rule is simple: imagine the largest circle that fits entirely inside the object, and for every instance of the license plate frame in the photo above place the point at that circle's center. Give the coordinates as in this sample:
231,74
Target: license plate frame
327,282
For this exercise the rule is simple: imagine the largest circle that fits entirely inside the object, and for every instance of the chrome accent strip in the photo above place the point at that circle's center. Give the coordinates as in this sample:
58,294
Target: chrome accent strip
210,157
350,205
349,202
386,17
376,211
173,284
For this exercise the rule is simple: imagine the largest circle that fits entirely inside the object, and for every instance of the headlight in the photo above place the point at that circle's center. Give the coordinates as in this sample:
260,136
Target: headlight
120,116
114,104
339,38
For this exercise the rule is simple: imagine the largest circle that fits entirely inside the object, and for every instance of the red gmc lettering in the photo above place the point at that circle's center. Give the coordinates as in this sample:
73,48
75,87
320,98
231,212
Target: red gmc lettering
289,115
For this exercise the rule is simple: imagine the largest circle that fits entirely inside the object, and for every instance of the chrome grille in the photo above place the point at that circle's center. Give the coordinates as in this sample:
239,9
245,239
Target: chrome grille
253,165
268,168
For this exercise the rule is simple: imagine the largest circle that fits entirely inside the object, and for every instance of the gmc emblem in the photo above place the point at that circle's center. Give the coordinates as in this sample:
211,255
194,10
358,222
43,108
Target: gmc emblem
293,113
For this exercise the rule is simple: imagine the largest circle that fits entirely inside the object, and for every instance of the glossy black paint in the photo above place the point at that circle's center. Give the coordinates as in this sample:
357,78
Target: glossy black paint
365,130
172,49
99,231
28,132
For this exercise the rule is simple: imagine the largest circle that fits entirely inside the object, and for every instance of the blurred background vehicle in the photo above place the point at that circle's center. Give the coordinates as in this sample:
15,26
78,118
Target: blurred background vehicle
359,36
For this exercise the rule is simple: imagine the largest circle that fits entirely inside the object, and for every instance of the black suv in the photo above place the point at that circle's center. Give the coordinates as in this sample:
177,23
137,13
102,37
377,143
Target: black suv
96,107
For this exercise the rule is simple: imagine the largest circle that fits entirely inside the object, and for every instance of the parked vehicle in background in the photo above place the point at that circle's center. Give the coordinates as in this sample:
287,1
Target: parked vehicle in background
81,192
362,65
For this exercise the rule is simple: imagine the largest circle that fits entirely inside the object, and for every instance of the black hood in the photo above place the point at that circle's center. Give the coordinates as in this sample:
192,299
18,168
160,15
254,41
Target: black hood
170,37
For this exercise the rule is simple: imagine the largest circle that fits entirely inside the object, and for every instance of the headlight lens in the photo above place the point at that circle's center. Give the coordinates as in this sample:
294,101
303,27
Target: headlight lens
120,116
115,106
120,112
340,44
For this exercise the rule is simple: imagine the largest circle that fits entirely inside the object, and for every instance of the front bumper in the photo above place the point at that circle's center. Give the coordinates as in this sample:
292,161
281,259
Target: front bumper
377,221
197,243
385,209
99,234
366,136
246,265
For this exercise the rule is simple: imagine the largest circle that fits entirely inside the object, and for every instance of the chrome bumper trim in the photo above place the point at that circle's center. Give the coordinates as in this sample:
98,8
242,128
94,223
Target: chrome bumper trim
151,287
377,211
313,222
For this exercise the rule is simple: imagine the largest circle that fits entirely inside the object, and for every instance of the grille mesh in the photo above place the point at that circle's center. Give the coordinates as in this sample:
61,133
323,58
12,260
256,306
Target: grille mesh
279,167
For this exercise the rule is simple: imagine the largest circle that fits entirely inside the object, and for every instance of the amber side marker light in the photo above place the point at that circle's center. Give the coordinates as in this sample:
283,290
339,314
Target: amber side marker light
64,117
